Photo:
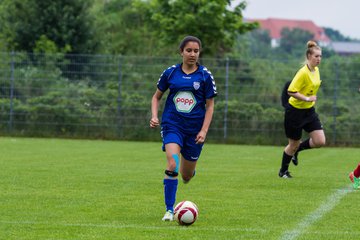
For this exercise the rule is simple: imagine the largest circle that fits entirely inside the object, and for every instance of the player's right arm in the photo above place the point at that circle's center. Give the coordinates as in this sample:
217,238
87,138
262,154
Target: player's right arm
155,101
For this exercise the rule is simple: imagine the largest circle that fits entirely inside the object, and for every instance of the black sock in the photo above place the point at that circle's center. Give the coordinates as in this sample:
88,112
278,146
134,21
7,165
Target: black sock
304,145
286,159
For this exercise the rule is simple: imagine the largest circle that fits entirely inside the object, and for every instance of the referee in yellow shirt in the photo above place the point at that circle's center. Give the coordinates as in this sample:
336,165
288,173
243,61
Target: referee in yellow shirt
300,112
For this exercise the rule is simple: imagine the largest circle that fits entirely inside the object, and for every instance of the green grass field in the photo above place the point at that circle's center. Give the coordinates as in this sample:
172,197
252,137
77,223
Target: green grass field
82,189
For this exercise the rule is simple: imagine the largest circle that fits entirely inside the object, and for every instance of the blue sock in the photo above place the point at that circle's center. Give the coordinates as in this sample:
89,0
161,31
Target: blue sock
170,188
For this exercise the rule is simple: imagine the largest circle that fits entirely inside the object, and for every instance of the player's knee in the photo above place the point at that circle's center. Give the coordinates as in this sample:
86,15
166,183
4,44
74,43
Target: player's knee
173,163
186,178
319,142
172,166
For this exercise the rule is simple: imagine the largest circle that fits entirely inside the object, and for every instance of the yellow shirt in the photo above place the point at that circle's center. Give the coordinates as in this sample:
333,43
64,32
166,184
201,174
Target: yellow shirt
306,83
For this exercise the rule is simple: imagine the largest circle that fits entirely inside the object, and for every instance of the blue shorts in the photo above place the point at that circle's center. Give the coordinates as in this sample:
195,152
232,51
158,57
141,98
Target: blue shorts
189,149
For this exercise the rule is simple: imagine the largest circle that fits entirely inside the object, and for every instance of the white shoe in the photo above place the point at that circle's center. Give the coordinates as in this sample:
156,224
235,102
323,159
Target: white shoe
169,216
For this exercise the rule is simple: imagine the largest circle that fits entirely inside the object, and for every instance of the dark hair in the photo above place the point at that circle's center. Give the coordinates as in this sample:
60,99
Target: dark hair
189,39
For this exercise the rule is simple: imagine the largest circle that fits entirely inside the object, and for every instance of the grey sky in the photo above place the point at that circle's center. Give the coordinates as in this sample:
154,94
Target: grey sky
343,16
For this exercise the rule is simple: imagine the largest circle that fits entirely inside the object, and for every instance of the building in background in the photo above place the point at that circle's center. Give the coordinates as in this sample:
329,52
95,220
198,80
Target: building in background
345,48
275,25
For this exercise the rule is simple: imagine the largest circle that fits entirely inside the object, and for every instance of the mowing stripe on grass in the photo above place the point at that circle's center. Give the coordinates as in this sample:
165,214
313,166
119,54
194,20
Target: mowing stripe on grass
138,226
325,207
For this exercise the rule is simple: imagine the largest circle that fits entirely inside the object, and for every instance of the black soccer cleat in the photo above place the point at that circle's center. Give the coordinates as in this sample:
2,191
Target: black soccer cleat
294,159
285,174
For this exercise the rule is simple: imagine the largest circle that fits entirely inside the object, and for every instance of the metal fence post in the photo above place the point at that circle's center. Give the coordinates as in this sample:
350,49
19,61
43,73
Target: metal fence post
12,69
119,110
336,67
226,97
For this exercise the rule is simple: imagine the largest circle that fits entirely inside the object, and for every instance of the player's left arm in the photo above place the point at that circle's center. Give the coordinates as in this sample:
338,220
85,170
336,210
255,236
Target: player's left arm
200,138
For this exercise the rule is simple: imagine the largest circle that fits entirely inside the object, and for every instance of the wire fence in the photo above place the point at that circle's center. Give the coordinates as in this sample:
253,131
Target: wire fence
108,96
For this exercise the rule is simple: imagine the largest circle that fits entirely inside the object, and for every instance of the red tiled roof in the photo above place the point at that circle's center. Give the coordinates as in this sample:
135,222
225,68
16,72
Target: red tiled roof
275,25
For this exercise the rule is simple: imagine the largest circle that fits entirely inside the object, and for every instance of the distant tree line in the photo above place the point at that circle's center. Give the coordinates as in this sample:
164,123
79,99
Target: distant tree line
136,27
126,27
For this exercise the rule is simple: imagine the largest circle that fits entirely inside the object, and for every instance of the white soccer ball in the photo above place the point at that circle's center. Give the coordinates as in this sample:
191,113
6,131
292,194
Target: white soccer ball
186,213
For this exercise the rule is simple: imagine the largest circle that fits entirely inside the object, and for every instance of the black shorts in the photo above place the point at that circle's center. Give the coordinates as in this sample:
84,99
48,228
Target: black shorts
298,119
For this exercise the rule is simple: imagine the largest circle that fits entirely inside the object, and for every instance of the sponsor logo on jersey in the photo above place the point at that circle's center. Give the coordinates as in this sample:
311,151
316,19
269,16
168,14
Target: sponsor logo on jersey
184,101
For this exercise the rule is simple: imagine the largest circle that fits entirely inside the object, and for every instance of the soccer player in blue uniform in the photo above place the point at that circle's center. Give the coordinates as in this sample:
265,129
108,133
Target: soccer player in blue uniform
186,117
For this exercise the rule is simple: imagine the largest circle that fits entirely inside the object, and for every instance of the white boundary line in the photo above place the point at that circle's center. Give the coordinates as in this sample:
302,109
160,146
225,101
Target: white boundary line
135,226
325,207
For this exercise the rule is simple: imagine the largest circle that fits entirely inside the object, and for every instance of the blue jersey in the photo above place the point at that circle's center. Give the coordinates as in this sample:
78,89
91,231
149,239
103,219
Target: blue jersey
185,104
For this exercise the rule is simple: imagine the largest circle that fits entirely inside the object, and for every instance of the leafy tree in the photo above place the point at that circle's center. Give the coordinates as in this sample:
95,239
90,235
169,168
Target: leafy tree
211,21
293,41
256,43
262,36
6,33
44,45
153,27
2,43
335,35
123,28
65,22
